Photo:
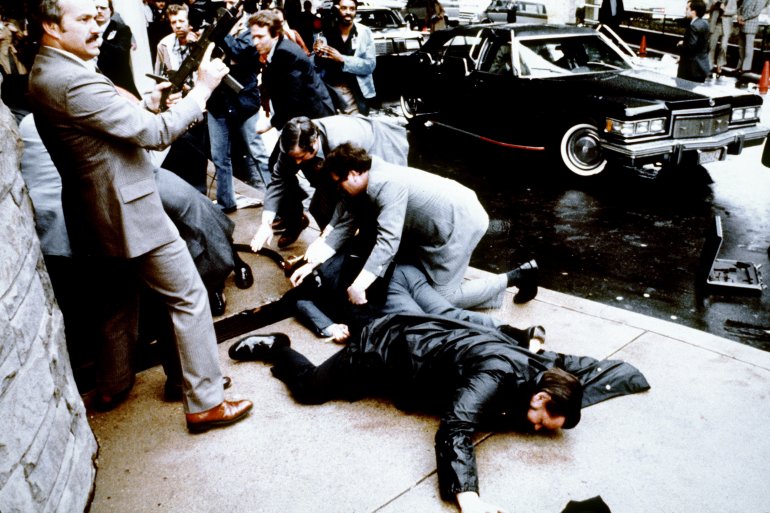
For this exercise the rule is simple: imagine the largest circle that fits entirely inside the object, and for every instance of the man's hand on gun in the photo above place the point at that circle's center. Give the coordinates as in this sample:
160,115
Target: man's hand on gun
210,72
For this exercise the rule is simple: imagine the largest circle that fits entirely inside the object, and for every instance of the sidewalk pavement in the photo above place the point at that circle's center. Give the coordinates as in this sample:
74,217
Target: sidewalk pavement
698,441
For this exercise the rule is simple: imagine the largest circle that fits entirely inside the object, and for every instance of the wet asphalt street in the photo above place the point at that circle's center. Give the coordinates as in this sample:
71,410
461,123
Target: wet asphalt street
622,240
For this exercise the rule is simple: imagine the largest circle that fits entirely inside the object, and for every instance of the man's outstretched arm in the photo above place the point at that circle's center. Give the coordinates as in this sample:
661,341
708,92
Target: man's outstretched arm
455,456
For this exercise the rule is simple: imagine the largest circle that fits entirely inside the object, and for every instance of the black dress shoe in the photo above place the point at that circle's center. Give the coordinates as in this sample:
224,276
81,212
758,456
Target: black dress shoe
526,281
172,392
258,347
217,303
243,277
290,236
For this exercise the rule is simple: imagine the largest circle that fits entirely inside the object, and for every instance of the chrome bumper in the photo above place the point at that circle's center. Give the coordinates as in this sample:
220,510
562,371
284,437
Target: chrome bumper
733,141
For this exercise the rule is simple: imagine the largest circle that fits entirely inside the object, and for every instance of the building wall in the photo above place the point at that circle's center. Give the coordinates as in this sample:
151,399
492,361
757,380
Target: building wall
47,449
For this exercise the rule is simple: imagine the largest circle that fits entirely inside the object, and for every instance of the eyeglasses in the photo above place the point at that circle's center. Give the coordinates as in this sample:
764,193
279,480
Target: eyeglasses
102,8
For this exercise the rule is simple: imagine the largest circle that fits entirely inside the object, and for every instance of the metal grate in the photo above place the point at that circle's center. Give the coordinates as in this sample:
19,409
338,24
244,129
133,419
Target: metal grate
703,125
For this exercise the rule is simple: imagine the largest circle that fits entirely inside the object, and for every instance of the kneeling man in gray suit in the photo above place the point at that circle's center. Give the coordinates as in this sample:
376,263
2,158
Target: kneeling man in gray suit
418,218
99,140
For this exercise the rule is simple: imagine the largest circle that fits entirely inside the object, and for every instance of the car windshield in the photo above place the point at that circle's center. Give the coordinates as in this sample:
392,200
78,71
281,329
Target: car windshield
380,19
548,57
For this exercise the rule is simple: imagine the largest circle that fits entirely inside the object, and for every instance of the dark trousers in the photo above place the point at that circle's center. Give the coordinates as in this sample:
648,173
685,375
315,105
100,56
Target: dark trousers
307,383
188,157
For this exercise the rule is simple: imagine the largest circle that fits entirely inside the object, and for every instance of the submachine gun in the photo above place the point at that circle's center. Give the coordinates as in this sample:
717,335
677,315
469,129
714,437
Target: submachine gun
213,33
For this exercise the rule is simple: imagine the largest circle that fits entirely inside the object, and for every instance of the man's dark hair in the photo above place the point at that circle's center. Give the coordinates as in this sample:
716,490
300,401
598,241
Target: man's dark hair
345,158
698,7
566,393
268,18
174,9
111,7
298,132
42,11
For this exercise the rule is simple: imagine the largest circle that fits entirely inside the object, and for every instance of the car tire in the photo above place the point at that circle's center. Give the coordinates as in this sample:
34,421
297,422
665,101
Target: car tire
410,108
580,152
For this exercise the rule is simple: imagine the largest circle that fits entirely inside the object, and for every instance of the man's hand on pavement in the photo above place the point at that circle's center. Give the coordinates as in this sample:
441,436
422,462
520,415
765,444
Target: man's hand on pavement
263,236
470,502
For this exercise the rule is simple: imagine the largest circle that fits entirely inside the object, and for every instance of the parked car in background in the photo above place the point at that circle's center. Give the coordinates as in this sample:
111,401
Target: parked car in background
392,36
393,40
472,11
573,94
416,12
516,11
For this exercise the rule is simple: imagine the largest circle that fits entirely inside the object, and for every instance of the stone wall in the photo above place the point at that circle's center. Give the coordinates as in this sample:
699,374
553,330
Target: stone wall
47,449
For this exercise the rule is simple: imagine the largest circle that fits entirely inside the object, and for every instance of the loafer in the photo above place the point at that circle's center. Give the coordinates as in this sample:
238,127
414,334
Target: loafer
258,347
172,392
226,413
290,236
217,302
243,277
526,282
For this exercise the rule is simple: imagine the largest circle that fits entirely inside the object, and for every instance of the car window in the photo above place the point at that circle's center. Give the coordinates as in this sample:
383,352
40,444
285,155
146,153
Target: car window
497,60
528,8
545,57
379,19
462,45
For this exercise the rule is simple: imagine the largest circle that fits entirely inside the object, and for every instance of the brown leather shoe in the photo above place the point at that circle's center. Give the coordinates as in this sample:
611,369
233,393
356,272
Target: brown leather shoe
228,412
290,236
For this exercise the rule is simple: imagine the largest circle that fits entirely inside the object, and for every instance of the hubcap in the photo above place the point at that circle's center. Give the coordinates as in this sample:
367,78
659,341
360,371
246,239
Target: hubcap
581,151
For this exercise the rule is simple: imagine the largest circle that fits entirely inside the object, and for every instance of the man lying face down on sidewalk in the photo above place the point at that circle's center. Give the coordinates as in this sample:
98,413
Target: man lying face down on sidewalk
475,377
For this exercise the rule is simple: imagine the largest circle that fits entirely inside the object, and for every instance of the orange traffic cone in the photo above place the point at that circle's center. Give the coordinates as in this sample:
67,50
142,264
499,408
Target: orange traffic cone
643,47
764,79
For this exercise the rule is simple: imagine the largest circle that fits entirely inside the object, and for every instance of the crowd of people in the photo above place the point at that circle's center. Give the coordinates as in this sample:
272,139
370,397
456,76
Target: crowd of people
118,179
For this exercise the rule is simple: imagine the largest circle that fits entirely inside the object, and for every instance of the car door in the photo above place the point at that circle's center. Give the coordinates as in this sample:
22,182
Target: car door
454,74
503,106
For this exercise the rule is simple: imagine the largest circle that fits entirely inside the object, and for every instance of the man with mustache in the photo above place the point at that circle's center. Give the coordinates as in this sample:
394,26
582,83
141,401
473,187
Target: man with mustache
347,60
98,140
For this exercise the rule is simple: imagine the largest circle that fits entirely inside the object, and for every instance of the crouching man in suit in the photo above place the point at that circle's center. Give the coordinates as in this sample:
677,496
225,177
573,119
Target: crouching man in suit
99,140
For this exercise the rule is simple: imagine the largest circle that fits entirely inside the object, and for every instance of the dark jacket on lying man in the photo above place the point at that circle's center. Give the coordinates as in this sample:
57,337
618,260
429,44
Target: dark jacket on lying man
474,377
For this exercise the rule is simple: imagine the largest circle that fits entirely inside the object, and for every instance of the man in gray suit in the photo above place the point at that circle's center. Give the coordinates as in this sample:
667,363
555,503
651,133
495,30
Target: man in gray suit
430,221
98,140
302,146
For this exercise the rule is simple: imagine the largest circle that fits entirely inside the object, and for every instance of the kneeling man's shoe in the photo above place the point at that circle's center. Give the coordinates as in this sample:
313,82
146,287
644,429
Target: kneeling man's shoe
525,278
258,347
226,413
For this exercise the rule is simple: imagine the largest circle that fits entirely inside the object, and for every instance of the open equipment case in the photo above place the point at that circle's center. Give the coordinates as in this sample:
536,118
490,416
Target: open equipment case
726,276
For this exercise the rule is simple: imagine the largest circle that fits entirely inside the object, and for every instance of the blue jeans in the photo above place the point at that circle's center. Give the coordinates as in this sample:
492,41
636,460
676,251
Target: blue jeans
220,128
